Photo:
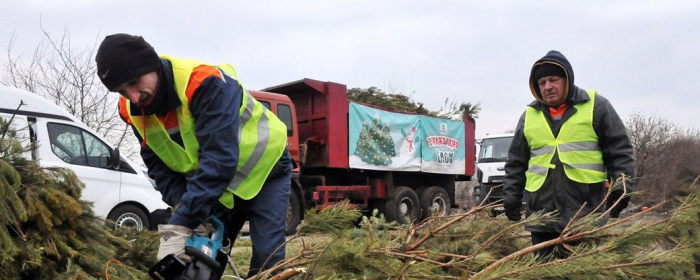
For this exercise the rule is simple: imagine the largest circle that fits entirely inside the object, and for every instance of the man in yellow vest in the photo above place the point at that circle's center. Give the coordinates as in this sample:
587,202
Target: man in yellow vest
209,145
566,144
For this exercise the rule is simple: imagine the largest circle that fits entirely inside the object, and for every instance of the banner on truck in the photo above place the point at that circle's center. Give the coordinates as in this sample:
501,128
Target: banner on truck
443,146
382,140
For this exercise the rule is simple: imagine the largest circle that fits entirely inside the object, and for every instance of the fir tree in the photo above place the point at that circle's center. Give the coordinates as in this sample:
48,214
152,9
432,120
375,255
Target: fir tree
46,231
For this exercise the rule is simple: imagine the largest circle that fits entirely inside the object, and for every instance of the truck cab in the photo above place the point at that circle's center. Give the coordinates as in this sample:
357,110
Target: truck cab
283,107
491,160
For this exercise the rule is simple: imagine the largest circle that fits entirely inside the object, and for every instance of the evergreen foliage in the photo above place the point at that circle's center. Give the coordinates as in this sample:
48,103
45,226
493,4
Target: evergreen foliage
400,102
46,231
473,245
375,96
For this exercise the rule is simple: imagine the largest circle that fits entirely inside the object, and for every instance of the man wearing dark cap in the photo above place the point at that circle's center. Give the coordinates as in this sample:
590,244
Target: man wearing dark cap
566,144
210,146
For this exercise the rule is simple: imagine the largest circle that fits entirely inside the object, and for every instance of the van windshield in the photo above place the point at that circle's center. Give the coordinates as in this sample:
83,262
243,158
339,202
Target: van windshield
494,149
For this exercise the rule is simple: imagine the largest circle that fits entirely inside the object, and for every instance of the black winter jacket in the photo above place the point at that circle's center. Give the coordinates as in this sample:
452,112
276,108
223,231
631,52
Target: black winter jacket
559,193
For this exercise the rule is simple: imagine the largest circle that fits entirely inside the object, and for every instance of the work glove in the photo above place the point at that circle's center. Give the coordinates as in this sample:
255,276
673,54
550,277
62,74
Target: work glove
513,210
612,198
172,241
205,229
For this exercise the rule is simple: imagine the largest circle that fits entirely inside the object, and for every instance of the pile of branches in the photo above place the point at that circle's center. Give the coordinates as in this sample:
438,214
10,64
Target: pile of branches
46,231
474,245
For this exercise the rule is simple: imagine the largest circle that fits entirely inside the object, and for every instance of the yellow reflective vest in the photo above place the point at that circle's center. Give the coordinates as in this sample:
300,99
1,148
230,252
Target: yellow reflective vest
262,136
577,146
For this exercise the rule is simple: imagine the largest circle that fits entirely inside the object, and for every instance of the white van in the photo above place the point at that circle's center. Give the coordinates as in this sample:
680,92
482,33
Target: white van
117,187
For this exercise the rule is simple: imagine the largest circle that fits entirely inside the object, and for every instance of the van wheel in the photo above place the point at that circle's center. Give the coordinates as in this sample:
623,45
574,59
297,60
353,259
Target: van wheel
293,214
434,201
403,206
129,216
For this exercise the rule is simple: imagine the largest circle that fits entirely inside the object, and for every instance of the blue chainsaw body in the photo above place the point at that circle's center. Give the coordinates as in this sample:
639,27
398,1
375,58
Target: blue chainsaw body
209,245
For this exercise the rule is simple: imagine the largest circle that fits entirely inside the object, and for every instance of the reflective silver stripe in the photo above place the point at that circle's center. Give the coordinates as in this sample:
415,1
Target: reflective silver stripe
173,130
247,114
538,169
542,151
579,146
260,146
589,166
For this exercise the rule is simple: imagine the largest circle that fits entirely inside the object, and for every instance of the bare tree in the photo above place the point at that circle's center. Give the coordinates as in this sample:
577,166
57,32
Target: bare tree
681,159
649,134
67,77
666,156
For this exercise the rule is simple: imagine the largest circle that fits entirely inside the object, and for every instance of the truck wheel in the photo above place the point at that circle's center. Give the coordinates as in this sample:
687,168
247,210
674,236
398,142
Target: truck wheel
477,195
403,206
434,201
482,194
293,214
129,216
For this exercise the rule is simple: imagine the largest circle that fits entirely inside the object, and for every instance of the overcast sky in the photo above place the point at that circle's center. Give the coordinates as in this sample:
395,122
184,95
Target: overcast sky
644,56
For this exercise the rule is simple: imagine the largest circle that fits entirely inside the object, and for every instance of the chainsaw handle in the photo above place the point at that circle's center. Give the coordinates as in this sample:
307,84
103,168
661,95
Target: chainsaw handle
198,255
218,226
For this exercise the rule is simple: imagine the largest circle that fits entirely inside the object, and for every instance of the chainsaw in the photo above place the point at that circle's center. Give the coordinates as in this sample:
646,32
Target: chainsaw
202,250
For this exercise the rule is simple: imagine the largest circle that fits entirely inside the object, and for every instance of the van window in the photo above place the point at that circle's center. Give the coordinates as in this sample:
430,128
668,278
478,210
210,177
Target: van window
284,112
77,146
266,104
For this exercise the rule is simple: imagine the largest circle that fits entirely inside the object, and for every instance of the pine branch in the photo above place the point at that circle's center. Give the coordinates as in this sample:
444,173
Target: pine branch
444,226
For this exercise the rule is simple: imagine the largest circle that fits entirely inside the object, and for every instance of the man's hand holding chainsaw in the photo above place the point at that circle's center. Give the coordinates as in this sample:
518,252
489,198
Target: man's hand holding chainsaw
174,237
172,241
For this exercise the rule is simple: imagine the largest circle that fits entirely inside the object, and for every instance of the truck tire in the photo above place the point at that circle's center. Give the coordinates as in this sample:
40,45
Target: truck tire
129,216
434,201
477,195
293,214
483,191
403,206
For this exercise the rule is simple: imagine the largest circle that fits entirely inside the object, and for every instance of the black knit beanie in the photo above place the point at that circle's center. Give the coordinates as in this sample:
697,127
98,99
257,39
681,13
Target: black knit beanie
123,57
548,69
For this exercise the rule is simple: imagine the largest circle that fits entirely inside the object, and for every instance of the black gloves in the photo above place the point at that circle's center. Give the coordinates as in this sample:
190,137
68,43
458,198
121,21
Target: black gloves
612,198
513,210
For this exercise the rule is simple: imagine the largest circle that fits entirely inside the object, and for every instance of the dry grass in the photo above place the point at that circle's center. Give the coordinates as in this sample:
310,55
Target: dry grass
242,250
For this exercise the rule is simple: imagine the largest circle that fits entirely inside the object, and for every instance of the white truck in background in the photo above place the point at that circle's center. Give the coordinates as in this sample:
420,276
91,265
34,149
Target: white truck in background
490,168
117,187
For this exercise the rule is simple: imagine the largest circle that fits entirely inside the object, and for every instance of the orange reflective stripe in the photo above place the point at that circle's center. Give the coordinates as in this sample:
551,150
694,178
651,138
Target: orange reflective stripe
199,74
123,112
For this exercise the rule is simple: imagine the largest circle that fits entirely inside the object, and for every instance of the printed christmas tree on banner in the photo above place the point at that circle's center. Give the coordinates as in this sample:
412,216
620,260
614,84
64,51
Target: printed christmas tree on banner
375,145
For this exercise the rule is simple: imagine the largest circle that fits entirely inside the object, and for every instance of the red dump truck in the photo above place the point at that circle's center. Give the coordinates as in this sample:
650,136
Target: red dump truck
405,165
